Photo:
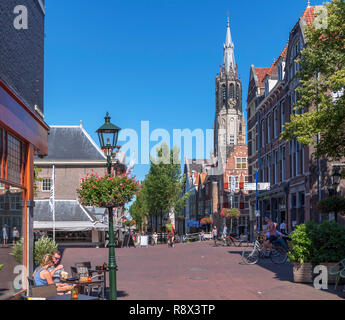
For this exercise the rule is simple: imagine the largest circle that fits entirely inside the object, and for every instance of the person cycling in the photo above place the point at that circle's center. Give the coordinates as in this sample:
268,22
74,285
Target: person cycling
271,230
171,232
279,239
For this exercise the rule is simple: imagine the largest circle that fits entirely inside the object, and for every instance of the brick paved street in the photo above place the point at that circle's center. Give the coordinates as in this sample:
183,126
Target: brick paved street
197,271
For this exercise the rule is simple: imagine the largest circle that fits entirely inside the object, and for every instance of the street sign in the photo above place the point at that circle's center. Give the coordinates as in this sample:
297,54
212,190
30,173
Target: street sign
257,213
264,186
249,187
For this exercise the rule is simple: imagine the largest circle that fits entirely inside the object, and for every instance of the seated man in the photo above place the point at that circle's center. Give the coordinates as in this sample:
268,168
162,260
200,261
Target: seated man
57,268
272,233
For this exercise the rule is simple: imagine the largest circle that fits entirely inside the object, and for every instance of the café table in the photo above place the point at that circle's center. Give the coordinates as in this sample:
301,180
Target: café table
84,284
81,297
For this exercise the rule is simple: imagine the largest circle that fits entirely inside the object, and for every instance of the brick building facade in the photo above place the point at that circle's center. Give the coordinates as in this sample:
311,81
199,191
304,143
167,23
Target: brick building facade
298,180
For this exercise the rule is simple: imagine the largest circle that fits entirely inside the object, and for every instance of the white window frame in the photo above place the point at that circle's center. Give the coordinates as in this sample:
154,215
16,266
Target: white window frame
43,184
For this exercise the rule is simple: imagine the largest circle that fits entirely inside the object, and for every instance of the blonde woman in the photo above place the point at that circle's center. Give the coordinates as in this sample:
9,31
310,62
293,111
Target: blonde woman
42,276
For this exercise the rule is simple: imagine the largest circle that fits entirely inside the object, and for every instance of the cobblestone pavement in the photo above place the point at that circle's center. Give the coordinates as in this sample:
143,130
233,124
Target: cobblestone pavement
198,271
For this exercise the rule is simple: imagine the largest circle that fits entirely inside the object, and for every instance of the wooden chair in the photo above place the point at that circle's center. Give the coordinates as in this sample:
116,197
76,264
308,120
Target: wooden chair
74,271
44,291
339,271
86,264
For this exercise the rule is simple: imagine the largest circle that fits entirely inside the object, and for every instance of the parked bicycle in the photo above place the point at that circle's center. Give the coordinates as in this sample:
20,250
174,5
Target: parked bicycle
278,254
232,241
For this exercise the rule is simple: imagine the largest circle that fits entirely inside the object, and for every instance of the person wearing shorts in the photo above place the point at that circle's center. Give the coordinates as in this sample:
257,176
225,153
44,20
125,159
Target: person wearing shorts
272,232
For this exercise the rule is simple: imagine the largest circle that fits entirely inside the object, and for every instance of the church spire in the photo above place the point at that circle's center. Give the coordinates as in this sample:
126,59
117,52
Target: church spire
229,57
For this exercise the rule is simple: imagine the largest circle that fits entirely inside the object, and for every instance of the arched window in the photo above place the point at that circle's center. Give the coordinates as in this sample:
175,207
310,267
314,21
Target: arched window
237,91
232,91
224,92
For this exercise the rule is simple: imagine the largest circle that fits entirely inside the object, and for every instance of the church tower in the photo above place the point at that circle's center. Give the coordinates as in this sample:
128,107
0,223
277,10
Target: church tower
229,126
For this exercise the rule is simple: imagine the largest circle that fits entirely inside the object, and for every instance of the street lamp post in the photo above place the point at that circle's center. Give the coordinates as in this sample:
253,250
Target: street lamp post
108,135
336,177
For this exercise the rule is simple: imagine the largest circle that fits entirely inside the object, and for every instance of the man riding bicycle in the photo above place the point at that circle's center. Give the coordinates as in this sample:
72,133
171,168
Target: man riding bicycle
272,232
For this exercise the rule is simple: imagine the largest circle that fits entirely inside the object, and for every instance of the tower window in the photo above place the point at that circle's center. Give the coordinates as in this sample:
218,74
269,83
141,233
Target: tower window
232,91
224,93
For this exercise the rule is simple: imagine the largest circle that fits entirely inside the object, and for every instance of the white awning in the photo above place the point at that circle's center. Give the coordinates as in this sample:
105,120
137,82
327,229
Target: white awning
70,226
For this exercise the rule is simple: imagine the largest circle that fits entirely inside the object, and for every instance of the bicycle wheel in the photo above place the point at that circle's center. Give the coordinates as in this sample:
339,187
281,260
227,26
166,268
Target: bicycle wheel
250,257
278,255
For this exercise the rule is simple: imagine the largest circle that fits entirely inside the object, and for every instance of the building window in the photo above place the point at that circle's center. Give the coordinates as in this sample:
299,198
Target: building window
262,133
224,92
269,168
14,159
282,116
232,140
269,128
241,163
282,163
232,91
275,123
46,184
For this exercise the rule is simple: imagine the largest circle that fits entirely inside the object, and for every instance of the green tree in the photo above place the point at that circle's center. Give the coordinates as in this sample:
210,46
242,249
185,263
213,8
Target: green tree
138,210
322,83
164,183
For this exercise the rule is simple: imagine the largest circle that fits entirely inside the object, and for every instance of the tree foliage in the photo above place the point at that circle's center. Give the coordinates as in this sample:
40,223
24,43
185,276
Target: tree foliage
321,90
162,187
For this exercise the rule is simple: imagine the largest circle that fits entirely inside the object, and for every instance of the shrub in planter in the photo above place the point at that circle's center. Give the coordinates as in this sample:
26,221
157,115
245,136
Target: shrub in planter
1,266
302,253
43,246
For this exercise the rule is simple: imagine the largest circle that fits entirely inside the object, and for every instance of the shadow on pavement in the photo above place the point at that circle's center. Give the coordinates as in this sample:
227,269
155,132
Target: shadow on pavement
284,272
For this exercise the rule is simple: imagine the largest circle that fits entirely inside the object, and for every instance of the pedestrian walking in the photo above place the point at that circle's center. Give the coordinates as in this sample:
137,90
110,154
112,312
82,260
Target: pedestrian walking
215,235
154,238
224,233
4,234
15,235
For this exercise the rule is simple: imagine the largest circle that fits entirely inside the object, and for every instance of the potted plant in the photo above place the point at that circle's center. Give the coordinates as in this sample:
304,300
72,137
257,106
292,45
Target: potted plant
1,266
302,254
329,244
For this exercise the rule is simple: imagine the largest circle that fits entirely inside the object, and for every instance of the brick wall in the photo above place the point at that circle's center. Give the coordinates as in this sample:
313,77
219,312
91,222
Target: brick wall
22,52
67,181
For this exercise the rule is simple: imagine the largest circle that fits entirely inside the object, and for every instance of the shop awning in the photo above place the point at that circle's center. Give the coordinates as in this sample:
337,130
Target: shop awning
70,226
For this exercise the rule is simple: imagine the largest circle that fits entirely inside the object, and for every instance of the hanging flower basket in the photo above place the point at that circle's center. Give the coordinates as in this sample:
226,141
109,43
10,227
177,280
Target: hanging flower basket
230,213
205,221
108,191
129,223
332,204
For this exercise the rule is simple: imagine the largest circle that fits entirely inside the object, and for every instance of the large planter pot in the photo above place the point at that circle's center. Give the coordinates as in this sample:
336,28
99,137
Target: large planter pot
331,278
303,272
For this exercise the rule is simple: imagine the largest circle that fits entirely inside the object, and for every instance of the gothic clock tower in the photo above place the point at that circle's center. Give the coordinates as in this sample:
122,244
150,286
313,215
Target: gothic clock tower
229,125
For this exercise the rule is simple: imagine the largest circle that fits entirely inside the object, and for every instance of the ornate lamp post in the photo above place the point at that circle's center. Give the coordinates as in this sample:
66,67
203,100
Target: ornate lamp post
336,177
108,135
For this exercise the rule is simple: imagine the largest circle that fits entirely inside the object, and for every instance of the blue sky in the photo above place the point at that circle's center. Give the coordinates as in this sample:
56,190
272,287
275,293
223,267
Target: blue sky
153,60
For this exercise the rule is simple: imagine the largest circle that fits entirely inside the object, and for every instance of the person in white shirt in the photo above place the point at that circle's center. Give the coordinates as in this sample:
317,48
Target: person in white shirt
4,234
282,227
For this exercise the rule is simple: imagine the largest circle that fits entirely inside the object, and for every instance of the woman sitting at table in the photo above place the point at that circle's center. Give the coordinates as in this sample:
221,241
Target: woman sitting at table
42,276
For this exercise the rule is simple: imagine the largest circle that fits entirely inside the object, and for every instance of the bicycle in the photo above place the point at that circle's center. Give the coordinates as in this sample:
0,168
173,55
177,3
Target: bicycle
170,241
278,254
230,240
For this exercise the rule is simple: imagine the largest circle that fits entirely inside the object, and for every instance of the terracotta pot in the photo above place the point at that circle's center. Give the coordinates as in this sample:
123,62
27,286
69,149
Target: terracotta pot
303,272
331,278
